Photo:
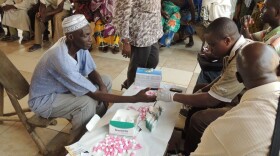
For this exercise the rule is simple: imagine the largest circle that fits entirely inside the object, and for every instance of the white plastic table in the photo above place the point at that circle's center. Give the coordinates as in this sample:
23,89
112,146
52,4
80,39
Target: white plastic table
153,143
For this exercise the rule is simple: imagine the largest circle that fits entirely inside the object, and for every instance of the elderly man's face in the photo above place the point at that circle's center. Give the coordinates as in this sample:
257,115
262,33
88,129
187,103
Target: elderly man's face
82,38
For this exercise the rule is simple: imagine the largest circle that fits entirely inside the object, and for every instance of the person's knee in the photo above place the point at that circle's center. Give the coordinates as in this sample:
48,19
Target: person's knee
198,120
86,109
107,81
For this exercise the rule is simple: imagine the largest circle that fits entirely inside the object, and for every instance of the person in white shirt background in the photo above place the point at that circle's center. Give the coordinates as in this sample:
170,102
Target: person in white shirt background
15,11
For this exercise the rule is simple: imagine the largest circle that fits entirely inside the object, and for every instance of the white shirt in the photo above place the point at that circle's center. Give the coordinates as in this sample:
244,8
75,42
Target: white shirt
246,129
55,3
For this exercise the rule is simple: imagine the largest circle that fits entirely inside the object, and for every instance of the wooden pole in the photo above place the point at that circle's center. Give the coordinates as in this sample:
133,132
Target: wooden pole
1,101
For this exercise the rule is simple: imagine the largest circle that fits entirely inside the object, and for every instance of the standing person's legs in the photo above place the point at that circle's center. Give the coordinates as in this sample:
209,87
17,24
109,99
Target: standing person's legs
196,125
154,56
57,19
39,28
139,58
13,35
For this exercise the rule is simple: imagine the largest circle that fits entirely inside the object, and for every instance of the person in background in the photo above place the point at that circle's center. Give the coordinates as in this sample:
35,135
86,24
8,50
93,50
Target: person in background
55,10
171,22
2,31
271,15
215,99
213,9
66,84
189,17
243,7
32,15
104,32
15,11
139,25
247,128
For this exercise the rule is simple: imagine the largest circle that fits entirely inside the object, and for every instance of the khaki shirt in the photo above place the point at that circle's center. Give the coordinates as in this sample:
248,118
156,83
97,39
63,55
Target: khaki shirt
227,87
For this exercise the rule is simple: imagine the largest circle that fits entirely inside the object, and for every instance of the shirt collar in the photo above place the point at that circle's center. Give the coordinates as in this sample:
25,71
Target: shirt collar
260,90
237,45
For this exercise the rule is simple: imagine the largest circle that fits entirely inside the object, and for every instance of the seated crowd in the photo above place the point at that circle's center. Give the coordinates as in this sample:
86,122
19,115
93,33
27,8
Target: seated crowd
232,110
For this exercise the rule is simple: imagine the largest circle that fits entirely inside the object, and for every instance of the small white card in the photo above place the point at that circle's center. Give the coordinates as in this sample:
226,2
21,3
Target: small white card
92,123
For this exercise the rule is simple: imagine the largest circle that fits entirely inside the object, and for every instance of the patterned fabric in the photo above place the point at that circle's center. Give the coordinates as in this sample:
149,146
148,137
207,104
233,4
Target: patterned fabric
104,33
271,37
258,24
105,8
171,25
186,17
102,38
73,23
166,39
139,21
83,7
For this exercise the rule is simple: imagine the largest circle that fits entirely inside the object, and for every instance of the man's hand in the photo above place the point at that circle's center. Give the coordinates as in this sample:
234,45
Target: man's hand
106,20
246,21
165,95
207,54
126,50
165,14
142,96
8,7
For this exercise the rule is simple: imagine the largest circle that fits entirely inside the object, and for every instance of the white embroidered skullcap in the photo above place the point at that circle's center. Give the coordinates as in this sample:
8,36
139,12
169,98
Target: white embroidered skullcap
73,23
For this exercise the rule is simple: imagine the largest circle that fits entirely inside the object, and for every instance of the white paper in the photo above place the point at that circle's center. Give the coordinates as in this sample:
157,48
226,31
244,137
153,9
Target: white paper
92,123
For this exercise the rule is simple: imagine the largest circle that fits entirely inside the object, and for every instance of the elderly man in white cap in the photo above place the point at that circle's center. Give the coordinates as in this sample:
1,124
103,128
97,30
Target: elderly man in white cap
66,84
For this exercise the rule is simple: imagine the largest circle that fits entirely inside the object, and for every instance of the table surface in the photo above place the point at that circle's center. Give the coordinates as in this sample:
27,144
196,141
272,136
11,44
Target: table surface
153,143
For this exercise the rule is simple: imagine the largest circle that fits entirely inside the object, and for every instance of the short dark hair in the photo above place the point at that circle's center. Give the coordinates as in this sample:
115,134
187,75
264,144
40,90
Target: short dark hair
223,27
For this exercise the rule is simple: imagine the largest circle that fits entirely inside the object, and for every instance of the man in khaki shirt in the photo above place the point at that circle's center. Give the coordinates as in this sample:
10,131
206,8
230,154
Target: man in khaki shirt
247,128
216,98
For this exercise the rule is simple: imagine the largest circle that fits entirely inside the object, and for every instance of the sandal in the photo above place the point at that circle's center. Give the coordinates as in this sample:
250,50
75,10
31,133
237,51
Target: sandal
5,38
190,44
34,47
10,38
45,37
115,50
25,40
2,33
103,49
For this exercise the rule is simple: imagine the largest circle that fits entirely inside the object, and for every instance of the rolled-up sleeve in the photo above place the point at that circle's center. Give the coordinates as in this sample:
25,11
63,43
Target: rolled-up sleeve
227,87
